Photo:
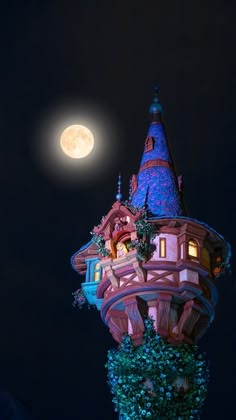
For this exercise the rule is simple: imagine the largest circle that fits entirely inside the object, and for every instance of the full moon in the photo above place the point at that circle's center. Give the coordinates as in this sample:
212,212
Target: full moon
77,141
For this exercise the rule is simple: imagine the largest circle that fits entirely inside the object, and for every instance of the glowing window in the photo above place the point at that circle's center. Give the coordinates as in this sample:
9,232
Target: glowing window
192,248
97,272
162,247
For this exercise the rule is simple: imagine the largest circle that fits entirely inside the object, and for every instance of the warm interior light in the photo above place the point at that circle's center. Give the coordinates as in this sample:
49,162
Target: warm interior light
192,248
163,247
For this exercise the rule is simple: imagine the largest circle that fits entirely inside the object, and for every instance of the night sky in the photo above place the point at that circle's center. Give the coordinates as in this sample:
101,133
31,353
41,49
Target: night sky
107,56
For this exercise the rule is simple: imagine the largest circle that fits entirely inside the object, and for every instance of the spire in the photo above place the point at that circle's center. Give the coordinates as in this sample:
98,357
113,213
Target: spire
155,109
119,195
156,183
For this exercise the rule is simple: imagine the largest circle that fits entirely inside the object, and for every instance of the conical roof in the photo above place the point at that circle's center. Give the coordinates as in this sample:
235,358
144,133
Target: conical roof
156,185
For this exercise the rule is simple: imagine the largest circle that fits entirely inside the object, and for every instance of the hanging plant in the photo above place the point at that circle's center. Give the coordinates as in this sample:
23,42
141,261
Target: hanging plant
143,248
79,299
145,231
100,244
157,380
144,228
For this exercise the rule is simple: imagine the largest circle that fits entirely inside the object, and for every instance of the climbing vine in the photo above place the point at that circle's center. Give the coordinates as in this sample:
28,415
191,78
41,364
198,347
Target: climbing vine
157,380
144,228
100,244
145,232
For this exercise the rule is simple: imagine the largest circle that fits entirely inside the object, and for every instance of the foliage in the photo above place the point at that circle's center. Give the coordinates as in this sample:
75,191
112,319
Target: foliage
224,265
79,299
144,228
100,244
143,248
145,231
102,220
142,379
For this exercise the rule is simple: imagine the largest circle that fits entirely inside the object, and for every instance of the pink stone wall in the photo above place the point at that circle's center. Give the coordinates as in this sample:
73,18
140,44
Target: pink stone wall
189,275
171,247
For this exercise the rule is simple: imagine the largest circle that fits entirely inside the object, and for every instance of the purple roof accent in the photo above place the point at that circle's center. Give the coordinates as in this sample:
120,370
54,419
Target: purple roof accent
157,185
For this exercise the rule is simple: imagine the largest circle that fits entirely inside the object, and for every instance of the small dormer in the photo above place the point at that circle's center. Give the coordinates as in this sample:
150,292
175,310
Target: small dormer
118,227
191,242
149,144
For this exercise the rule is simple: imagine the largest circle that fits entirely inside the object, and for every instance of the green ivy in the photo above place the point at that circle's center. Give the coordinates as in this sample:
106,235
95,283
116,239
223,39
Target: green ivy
142,378
144,228
143,248
145,231
100,244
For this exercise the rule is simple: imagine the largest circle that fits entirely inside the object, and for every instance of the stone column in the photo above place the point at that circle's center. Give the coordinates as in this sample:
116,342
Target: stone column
135,321
118,324
163,313
188,319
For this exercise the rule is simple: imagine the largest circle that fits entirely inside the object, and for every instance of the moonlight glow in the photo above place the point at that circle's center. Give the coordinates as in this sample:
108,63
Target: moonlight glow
77,141
53,154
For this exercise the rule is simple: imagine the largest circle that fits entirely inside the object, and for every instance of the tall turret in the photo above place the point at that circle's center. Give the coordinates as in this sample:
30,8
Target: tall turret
156,184
151,272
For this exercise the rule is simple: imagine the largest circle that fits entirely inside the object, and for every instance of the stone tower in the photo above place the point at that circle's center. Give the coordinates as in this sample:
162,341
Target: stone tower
147,259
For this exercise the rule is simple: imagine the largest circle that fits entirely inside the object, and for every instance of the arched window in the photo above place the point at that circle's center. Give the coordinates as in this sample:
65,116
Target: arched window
192,248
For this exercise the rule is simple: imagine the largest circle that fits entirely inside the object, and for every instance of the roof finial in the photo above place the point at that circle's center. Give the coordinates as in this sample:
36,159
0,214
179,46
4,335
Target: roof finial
156,90
156,108
119,195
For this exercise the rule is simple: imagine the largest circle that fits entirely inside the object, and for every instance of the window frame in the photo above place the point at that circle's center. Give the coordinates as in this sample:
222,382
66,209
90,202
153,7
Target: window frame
90,272
97,271
162,241
149,144
194,246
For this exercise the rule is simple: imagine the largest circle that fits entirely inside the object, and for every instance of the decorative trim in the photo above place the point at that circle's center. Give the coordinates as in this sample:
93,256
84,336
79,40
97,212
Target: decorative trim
149,144
155,162
185,291
134,184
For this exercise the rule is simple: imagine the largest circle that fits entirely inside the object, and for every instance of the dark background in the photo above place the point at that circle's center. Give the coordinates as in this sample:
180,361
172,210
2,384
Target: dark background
52,356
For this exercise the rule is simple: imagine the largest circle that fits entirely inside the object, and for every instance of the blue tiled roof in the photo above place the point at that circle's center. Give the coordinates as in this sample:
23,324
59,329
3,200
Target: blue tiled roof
161,149
157,185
